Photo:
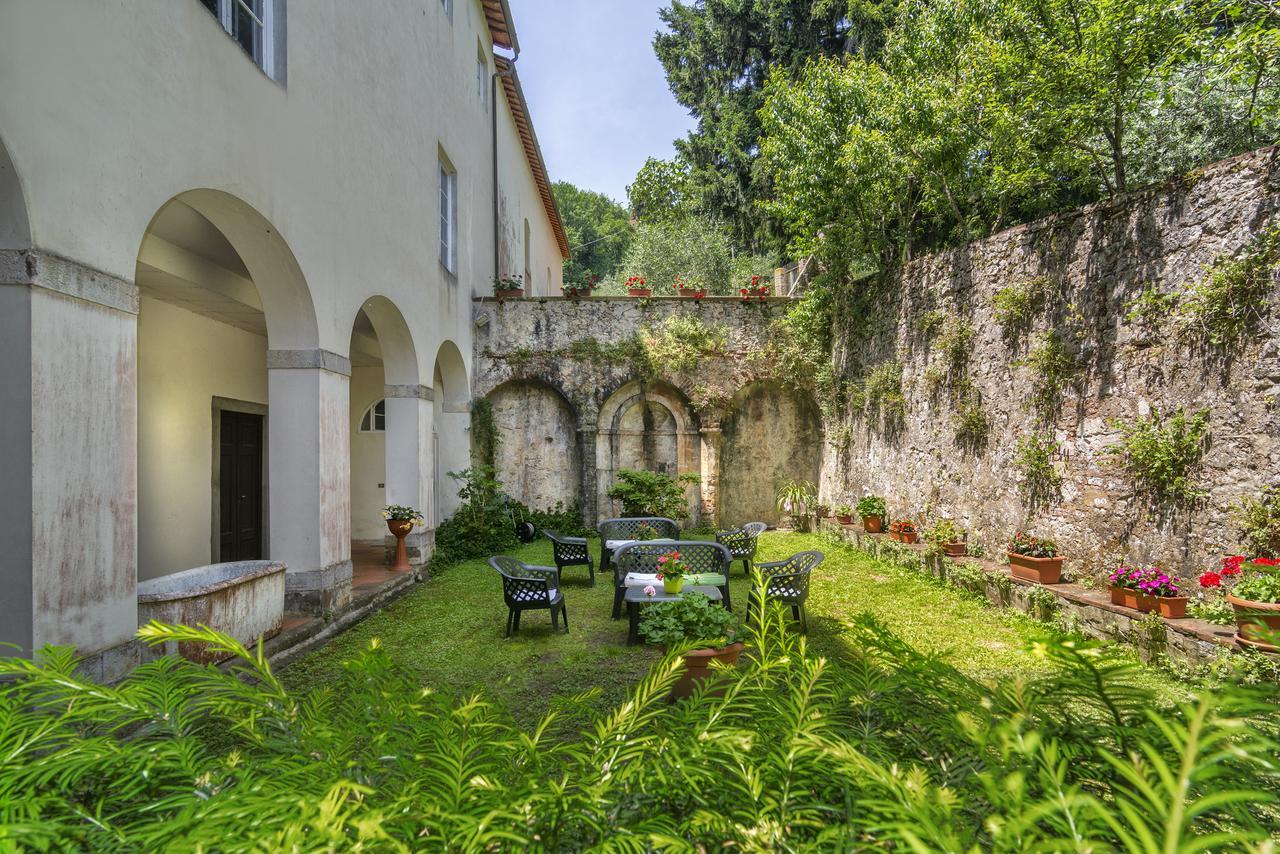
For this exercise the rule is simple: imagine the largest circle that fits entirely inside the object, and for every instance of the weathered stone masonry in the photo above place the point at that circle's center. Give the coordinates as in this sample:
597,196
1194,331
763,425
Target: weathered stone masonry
1093,262
572,404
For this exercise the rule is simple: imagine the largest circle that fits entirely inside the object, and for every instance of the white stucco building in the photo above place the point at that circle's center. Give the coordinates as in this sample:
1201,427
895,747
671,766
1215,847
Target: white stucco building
239,240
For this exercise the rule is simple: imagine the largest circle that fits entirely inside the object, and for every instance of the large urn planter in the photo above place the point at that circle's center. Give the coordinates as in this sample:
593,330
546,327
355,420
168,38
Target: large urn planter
1042,570
697,667
400,529
872,524
1254,621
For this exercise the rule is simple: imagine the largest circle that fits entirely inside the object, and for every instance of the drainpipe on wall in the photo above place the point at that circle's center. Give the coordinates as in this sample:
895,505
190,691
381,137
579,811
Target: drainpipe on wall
493,121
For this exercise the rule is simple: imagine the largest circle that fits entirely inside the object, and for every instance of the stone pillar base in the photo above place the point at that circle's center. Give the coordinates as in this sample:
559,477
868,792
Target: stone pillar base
318,590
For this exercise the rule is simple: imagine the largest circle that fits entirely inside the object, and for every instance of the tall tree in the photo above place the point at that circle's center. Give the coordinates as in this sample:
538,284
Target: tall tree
717,55
598,228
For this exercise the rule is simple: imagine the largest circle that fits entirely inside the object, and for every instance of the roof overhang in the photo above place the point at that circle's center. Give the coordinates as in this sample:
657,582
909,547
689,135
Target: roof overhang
532,152
502,27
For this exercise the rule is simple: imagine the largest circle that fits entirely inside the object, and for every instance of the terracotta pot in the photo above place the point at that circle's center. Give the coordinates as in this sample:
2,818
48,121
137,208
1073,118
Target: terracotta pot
697,667
1146,604
509,293
689,292
1172,607
1254,620
959,549
844,519
909,537
673,585
400,528
1117,595
822,514
639,292
872,524
1042,570
576,293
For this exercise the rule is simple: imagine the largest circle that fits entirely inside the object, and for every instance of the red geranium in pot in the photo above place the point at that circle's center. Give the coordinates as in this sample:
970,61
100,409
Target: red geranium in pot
637,288
1254,596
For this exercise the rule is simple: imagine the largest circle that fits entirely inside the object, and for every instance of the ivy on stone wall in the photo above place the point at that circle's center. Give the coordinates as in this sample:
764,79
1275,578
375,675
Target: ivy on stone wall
1015,306
484,433
1160,453
1041,483
1224,307
1053,370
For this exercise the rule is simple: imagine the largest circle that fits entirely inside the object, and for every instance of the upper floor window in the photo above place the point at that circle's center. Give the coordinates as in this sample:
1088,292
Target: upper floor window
448,216
528,256
482,79
375,418
254,26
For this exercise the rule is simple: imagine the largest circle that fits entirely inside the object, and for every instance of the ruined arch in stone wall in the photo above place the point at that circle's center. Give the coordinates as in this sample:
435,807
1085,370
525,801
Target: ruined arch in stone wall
647,426
538,456
769,433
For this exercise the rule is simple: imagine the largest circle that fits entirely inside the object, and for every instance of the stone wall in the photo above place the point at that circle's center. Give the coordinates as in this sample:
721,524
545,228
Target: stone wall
614,408
1090,265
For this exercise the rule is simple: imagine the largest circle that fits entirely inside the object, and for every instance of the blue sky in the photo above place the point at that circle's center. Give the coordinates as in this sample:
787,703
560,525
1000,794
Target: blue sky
599,99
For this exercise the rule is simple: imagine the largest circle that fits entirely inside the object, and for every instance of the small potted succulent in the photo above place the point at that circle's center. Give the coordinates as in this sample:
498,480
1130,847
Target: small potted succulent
690,287
844,514
872,510
508,286
703,630
581,289
636,287
1254,596
1147,589
756,290
672,570
945,537
822,509
1033,558
400,521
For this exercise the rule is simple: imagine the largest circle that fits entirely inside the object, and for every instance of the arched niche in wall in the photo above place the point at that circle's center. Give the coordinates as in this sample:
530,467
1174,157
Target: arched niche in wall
771,433
15,231
538,459
649,427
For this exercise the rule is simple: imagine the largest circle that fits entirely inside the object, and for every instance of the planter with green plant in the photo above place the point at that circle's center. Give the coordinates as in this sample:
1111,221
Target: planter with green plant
636,287
872,510
844,514
1254,597
1033,558
508,287
1147,589
400,521
822,509
795,497
945,537
701,630
690,287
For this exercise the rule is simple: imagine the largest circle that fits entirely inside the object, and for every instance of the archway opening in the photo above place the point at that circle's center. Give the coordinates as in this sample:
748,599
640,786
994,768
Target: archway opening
772,433
451,423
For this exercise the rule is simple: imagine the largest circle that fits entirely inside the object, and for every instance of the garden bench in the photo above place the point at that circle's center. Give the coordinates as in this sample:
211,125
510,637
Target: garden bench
710,560
615,533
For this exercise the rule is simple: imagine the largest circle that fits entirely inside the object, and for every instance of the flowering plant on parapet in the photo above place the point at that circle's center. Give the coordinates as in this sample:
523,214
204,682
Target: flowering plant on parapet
1147,580
755,290
1256,580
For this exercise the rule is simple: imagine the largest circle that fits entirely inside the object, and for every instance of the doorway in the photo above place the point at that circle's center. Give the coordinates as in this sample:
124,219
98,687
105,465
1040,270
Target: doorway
240,486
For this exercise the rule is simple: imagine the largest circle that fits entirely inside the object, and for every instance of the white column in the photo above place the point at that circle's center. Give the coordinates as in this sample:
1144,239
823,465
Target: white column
69,433
409,464
309,464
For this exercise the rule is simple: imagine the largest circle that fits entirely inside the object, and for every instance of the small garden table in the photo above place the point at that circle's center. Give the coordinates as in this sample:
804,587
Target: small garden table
636,597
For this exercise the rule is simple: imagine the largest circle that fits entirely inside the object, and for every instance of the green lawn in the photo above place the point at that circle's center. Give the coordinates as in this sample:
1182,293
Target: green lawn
449,631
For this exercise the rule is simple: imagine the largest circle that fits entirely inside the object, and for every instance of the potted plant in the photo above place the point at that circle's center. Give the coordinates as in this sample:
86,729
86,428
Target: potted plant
755,290
581,289
794,499
1147,588
844,514
822,510
400,521
903,530
636,287
1034,558
1254,597
703,629
690,287
508,286
945,537
671,571
872,510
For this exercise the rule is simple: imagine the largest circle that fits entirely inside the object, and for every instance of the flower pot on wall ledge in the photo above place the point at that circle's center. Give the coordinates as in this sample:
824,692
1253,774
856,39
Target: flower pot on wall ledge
1173,607
844,518
959,549
509,293
697,667
691,293
872,524
639,292
1042,570
1254,621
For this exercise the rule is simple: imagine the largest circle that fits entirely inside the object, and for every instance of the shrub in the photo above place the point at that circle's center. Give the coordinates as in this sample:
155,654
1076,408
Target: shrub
930,322
691,619
955,344
1258,520
1150,309
1226,305
1033,458
942,532
882,390
649,493
1160,454
680,342
971,422
1015,306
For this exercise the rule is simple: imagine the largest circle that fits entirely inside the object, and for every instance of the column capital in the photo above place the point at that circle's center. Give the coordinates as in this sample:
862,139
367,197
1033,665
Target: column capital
27,267
421,392
324,360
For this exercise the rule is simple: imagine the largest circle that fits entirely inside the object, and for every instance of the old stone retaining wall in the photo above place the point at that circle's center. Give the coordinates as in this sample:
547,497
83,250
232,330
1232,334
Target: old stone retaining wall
575,395
1090,265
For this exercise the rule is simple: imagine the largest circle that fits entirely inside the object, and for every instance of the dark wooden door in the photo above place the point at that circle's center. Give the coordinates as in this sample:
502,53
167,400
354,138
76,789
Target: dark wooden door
240,487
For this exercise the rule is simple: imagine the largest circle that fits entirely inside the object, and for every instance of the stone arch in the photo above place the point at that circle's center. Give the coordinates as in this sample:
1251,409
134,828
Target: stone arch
451,423
539,456
770,432
15,228
649,426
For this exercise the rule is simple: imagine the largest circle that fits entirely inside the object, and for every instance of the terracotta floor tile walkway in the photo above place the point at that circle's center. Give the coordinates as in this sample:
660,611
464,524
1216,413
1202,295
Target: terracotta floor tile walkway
369,574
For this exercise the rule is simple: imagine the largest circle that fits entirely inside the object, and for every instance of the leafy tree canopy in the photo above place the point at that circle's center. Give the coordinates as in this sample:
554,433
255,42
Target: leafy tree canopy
696,248
598,228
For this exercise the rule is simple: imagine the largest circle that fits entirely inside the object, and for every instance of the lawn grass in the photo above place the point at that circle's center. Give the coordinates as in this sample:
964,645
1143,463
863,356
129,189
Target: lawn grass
449,632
